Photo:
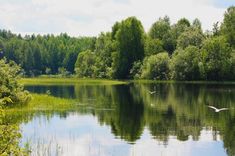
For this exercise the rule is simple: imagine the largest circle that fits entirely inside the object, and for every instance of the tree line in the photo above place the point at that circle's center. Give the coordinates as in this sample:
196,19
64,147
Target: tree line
180,51
46,54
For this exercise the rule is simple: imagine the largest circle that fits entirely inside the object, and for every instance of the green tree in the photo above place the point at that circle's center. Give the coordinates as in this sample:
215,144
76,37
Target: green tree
197,24
161,30
216,29
69,61
103,50
228,25
115,29
84,66
177,29
153,46
130,40
185,64
11,93
156,67
37,53
217,58
9,86
136,70
193,37
184,23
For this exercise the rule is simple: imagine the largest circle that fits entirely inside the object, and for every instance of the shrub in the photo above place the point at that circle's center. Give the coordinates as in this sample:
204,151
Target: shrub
11,91
156,67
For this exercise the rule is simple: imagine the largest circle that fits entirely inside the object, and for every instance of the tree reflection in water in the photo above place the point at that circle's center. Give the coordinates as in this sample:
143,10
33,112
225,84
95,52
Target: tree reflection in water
178,110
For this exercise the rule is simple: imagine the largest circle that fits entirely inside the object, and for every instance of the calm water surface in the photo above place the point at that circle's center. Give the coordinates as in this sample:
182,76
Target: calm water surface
126,120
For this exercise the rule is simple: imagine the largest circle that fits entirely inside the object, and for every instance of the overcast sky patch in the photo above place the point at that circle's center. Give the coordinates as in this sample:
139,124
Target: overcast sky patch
90,17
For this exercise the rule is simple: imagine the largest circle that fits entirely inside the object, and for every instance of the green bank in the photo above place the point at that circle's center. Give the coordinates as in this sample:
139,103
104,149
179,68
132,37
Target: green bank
69,81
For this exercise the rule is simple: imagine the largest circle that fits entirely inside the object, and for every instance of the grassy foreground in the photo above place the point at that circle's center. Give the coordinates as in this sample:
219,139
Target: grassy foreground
69,81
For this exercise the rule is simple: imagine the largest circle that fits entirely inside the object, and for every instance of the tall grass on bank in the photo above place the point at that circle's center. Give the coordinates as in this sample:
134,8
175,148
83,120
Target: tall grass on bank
44,102
69,81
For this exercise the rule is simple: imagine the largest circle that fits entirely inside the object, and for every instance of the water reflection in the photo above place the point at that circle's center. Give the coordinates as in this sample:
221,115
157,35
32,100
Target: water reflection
83,137
127,120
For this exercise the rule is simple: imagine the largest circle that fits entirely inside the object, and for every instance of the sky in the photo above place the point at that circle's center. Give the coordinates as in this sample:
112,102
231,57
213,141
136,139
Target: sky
91,17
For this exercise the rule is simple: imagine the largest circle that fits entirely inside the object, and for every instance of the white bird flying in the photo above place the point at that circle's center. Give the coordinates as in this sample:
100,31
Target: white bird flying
218,110
152,92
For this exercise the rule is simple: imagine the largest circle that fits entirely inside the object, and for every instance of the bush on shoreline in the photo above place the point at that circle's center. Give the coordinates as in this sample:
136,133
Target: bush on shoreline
11,93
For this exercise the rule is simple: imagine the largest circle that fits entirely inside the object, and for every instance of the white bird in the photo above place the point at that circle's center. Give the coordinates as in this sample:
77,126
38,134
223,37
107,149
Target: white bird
152,92
218,110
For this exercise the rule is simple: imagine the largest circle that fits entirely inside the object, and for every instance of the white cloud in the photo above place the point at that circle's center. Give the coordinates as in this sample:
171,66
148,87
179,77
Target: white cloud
90,17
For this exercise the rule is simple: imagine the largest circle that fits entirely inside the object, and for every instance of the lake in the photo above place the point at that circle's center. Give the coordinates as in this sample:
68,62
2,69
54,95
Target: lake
126,120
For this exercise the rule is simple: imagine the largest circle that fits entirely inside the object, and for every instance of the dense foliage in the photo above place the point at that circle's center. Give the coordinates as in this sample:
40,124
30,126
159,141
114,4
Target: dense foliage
43,54
85,64
156,67
129,40
124,52
186,64
11,93
10,90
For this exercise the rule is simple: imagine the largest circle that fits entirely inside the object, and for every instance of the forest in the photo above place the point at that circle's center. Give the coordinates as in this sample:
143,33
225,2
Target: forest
179,51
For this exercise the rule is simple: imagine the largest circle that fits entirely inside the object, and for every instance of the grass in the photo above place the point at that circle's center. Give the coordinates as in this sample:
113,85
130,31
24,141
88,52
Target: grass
44,102
73,81
47,102
69,81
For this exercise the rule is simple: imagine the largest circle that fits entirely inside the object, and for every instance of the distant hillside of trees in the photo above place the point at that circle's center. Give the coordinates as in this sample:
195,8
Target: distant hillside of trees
180,51
43,54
